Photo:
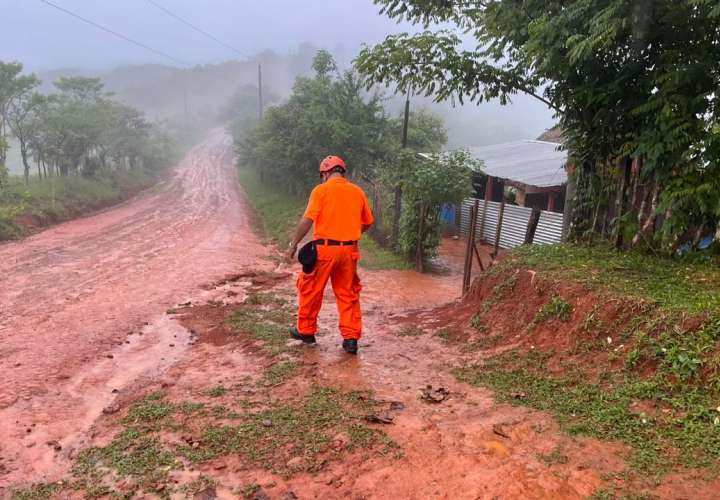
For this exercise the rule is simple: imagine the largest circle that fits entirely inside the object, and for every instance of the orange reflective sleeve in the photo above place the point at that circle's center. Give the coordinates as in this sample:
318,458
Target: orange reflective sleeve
314,204
366,216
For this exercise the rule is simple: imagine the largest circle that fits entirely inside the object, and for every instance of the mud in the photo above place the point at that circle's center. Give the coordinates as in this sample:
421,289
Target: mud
100,311
73,295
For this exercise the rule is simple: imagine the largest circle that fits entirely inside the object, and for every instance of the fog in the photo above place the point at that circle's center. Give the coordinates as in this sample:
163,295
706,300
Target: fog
281,34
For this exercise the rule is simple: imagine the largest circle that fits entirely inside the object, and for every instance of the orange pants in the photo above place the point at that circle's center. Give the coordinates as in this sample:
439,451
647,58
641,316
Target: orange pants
339,265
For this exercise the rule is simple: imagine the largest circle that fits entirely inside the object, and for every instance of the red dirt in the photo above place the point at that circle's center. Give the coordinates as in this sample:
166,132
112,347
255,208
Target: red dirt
75,294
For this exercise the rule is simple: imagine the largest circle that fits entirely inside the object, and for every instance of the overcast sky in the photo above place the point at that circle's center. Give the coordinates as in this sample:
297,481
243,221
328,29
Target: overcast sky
43,38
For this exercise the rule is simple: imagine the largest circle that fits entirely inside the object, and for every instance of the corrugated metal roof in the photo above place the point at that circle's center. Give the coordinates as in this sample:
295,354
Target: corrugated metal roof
534,163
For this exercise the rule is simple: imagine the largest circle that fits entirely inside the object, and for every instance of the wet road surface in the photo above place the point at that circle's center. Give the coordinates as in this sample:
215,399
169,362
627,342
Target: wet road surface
70,295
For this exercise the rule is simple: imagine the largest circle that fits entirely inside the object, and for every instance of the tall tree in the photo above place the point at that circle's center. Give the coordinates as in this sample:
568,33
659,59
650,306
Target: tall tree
25,122
625,78
12,85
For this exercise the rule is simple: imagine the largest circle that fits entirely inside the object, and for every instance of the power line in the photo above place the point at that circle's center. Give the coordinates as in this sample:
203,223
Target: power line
115,33
199,30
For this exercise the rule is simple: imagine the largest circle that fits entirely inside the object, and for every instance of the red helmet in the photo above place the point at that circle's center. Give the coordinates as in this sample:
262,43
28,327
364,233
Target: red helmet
331,162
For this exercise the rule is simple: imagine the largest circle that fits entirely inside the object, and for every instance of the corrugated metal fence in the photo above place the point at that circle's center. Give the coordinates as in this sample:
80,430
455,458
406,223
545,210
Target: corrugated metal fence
514,225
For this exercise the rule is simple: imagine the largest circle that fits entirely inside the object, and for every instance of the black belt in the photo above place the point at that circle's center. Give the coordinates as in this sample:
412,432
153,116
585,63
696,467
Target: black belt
336,243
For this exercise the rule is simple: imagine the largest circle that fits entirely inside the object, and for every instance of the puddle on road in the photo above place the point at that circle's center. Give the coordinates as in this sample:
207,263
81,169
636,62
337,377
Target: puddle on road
67,418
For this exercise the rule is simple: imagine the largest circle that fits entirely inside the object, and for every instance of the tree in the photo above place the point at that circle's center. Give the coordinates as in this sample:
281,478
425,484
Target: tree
624,80
24,119
12,86
429,181
426,131
326,114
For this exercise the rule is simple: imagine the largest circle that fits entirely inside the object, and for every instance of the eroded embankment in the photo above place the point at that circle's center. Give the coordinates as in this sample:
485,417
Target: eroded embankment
627,368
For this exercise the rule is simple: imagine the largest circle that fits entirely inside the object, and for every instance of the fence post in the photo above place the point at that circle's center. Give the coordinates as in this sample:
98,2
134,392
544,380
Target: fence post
532,226
467,269
499,229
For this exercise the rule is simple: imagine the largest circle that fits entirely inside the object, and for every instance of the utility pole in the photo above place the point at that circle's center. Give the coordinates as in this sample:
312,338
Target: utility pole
405,121
398,188
260,98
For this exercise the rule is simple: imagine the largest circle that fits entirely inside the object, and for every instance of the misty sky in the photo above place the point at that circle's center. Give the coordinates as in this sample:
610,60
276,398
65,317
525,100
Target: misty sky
44,38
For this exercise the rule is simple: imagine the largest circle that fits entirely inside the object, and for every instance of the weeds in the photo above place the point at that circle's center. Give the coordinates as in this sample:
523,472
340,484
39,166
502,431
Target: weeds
279,373
216,392
477,323
444,335
410,331
275,214
555,457
281,437
607,413
692,287
61,198
38,491
272,335
271,438
557,308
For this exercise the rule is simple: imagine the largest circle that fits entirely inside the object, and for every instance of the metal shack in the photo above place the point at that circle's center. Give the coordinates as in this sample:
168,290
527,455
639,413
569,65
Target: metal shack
522,175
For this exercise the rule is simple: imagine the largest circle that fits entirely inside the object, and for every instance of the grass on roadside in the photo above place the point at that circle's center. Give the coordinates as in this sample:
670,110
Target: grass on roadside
692,287
61,198
283,437
276,213
279,373
288,438
664,404
38,491
686,433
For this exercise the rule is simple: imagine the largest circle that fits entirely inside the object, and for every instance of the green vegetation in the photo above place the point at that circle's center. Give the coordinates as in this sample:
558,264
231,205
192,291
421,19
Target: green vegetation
293,437
61,198
557,308
217,391
283,437
664,403
477,323
261,299
38,491
621,94
692,287
276,213
330,113
272,335
443,334
686,435
555,457
411,331
88,150
279,373
428,183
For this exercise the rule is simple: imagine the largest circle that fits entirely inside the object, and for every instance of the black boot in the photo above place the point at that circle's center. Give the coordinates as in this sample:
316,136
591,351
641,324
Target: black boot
306,339
350,346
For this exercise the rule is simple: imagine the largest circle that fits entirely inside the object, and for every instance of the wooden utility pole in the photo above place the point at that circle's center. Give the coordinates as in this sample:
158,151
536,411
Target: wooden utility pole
260,96
406,120
398,188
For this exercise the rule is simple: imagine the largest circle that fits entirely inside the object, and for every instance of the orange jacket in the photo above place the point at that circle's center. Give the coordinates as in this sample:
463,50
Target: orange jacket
338,209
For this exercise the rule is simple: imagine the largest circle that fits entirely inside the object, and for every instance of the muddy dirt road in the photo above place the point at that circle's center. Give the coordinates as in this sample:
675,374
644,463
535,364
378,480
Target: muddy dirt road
98,313
70,295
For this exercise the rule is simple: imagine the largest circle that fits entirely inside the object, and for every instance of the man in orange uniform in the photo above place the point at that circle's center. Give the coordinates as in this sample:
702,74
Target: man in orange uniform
340,212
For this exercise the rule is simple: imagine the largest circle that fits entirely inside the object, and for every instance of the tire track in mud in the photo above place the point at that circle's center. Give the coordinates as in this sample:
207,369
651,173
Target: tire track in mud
70,295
